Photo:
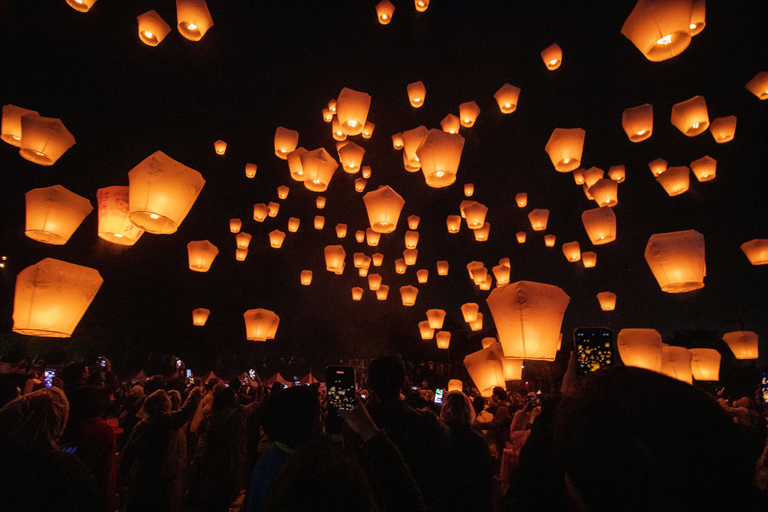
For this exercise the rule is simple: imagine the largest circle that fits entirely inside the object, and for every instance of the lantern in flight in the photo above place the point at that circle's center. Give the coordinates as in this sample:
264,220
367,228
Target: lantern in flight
426,332
501,273
412,140
475,214
470,311
677,260
285,142
607,301
549,240
521,199
294,164
442,268
384,11
450,124
377,259
443,339
334,258
318,167
383,206
564,148
400,266
360,184
413,222
691,117
640,348
201,255
273,209
241,254
589,259
675,180
617,173
436,317
600,224
351,157
114,224
705,168
306,277
572,251
698,15
260,324
439,156
152,28
282,191
193,18
455,385
592,176
659,29
468,113
481,235
235,225
293,224
352,110
357,293
421,5
705,363
374,282
638,122
250,170
260,212
759,85
521,236
743,344
320,202
243,240
486,370
657,166
539,218
469,189
397,141
200,316
81,5
54,213
723,129
368,130
604,192
676,363
408,295
276,238
416,94
756,251
507,98
44,139
11,123
319,222
578,176
382,292
454,223
552,57
220,146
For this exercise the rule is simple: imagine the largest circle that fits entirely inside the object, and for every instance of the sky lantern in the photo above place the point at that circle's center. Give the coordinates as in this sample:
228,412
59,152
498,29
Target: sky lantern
81,5
592,176
743,344
320,202
357,293
759,85
427,333
416,94
698,18
513,368
705,168
677,260
241,254
384,11
360,236
521,237
454,223
260,324
152,28
52,296
659,29
397,141
607,301
306,277
436,318
640,348
409,256
44,139
521,199
285,142
243,240
220,147
552,57
282,191
675,180
337,131
469,311
11,123
413,222
235,225
549,240
273,208
756,251
455,385
589,259
201,255
260,212
442,268
318,167
352,110
501,273
505,262
250,170
412,139
638,122
294,164
382,293
200,316
539,218
473,267
54,213
358,258
193,18
600,224
507,98
366,171
564,148
383,206
371,237
439,156
723,129
400,266
605,192
475,215
411,239
487,283
319,222
276,238
690,116
341,230
469,189
617,173
450,124
374,282
477,325
572,251
421,5
676,363
705,364
114,224
657,166
486,370
351,157
468,113
368,130
377,259
481,235
162,191
360,184
443,339
334,257
408,295
332,106
578,176
327,115
293,224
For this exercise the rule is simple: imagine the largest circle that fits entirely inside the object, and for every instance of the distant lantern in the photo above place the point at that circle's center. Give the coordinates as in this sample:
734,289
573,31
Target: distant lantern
11,124
600,224
638,122
54,213
358,259
341,230
477,271
400,266
260,324
384,11
549,240
698,18
408,295
723,129
318,167
306,277
450,124
81,5
455,385
589,259
617,173
422,275
528,317
357,293
756,251
578,176
486,370
360,184
605,192
282,191
468,113
243,240
442,268
44,139
162,191
469,311
114,225
657,166
677,260
592,176
276,238
351,157
274,208
481,235
743,344
421,5
368,130
285,142
52,296
691,117
372,237
409,256
705,168
676,363
564,148
200,316
475,214
416,94
377,259
552,57
294,164
572,251
640,348
426,332
320,202
454,223
352,110
293,224
513,368
539,218
443,339
675,180
383,206
607,301
374,282
411,239
250,170
319,222
235,225
521,199
505,262
201,255
241,254
334,258
501,273
397,141
327,115
220,146
660,30
332,106
705,364
336,131
366,171
360,236
436,318
469,189
439,157
507,98
759,85
382,292
412,140
477,324
193,18
521,236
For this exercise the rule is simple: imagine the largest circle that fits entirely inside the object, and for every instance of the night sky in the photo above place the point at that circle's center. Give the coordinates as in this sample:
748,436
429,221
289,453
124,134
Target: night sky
266,64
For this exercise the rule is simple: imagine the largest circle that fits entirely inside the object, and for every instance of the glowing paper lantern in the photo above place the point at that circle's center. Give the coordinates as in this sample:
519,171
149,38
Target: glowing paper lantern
371,237
675,180
352,110
360,184
657,166
468,113
470,311
475,214
282,191
319,222
549,240
659,29
604,192
152,28
337,131
600,224
691,117
450,124
640,348
360,236
81,5
617,173
351,157
705,363
454,223
374,281
383,206
698,15
443,339
487,342
382,292
422,275
397,141
412,139
638,122
455,385
521,236
332,106
705,168
521,199
114,224
320,202
677,260
201,254
743,344
416,94
442,268
294,164
426,332
366,171
200,316
260,324
306,277
318,167
11,124
357,293
243,240
241,254
334,257
44,139
193,18
477,325
260,212
235,225
552,57
564,148
327,115
293,224
759,85
507,98
276,238
486,370
400,266
501,273
592,176
578,176
52,296
54,213
469,189
220,146
756,251
358,258
539,218
408,295
481,235
572,251
586,193
384,11
676,363
439,156
723,129
607,301
589,259
273,209
250,170
421,5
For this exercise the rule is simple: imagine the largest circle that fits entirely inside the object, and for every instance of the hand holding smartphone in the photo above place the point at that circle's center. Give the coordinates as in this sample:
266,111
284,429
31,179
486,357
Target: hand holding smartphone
340,383
594,348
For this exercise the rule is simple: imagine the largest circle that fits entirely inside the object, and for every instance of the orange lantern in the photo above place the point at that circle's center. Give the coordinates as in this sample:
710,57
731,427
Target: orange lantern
409,256
193,18
539,218
521,199
382,292
357,293
273,209
319,222
442,268
352,110
486,370
705,363
759,85
427,333
235,225
463,205
368,130
358,259
473,268
282,191
704,168
439,156
318,167
592,176
660,30
675,180
201,255
578,176
383,206
507,98
676,363
327,115
470,311
607,301
521,236
481,235
11,124
617,173
412,139
44,139
640,348
657,166
477,325
360,184
306,277
638,122
600,224
152,28
421,5
468,113
454,223
377,259
293,224
351,157
436,318
513,368
334,258
691,117
505,262
549,240
366,171
337,131
589,259
756,251
475,213
400,266
332,106
743,344
450,124
397,141
341,230
411,239
698,15
220,146
294,164
114,225
81,5
371,237
572,251
501,273
285,142
276,238
552,57
413,222
564,148
384,11
374,281
241,254
250,170
455,385
416,94
200,316
320,202
677,260
408,295
243,240
52,296
443,339
260,324
54,213
360,236
469,189
723,129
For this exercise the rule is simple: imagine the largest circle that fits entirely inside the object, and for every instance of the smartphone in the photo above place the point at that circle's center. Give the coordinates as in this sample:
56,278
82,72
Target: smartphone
594,348
102,361
438,396
178,363
189,373
50,373
340,382
252,374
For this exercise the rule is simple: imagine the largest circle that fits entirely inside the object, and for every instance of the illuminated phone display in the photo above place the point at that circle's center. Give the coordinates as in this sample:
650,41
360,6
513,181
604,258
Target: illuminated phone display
594,348
49,375
340,381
